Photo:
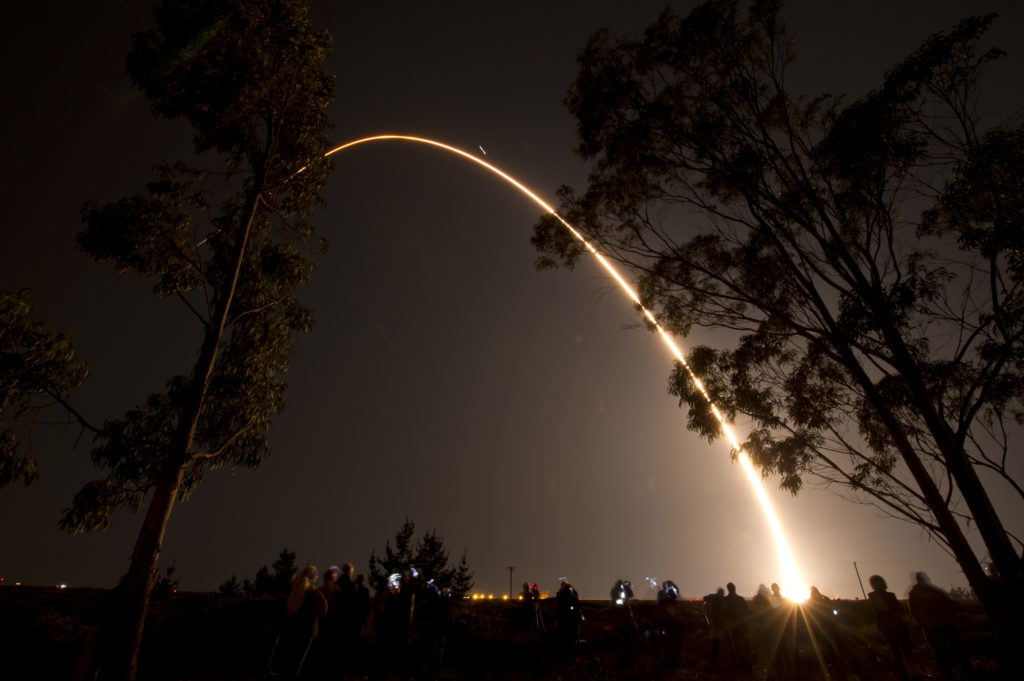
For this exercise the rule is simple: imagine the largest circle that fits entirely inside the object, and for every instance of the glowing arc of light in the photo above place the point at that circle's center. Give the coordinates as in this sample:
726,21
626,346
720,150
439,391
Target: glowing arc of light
793,586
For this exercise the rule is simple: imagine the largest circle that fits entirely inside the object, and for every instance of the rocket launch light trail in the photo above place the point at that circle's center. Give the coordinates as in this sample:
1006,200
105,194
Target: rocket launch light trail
792,583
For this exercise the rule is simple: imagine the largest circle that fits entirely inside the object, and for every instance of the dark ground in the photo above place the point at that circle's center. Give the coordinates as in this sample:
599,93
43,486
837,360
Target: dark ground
208,637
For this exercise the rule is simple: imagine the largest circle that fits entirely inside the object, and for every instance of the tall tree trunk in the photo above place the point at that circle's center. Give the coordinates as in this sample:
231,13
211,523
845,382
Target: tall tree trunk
1001,601
990,527
134,601
1001,613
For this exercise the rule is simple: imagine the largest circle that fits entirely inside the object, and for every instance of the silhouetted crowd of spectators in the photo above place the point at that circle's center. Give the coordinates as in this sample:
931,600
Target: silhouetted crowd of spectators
321,632
763,635
334,628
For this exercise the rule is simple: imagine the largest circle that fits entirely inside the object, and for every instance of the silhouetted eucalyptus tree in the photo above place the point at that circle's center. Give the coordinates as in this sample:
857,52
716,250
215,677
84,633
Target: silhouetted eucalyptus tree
38,369
879,344
230,240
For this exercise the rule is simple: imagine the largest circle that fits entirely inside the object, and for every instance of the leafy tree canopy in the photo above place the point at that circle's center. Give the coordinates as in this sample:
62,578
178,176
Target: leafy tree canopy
38,369
233,243
866,257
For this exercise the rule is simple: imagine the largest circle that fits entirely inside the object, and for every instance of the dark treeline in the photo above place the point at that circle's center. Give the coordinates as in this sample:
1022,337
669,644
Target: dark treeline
428,556
269,580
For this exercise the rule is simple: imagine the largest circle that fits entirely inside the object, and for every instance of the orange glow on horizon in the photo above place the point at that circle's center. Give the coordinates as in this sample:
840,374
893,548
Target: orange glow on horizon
791,584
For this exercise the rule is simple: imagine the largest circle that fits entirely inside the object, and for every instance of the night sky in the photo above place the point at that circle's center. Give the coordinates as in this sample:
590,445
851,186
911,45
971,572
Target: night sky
524,416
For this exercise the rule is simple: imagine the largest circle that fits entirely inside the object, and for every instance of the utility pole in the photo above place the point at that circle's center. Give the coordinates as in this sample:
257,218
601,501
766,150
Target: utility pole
858,580
511,569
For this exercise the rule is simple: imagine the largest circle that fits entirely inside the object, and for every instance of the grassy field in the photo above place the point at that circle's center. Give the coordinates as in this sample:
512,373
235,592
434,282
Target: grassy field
208,637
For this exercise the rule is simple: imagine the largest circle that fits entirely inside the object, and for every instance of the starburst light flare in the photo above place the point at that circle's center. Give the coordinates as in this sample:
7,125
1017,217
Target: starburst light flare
792,584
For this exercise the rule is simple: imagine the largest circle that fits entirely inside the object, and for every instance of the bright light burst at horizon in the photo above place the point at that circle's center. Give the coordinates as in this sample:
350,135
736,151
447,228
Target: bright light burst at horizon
792,584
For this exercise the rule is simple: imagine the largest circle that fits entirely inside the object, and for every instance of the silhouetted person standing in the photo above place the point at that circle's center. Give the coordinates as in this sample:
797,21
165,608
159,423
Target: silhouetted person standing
304,608
935,611
820,619
390,624
890,622
625,622
433,612
714,613
736,631
346,603
538,616
783,631
569,618
526,608
761,625
669,618
357,619
325,657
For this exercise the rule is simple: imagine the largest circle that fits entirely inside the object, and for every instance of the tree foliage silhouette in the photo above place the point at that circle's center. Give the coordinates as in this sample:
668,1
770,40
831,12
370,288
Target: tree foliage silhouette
227,234
428,556
38,370
265,583
865,258
462,577
396,558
